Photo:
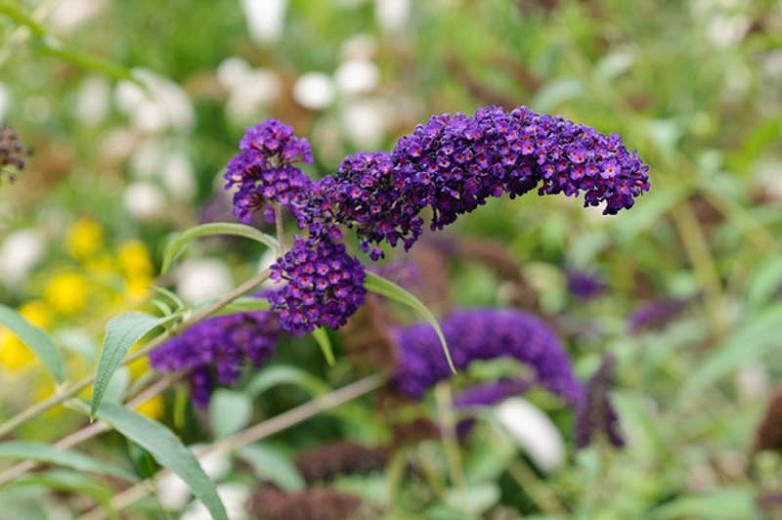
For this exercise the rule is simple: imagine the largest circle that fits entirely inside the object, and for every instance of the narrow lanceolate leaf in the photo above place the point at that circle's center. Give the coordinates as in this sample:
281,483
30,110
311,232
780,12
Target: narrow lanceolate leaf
74,482
14,11
218,228
121,334
42,452
167,450
286,374
324,342
378,284
35,338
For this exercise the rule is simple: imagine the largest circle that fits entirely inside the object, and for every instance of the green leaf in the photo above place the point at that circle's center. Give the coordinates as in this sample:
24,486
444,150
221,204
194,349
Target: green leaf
122,333
167,450
749,343
765,281
42,452
85,61
229,412
175,247
269,465
324,342
66,480
725,503
35,338
389,289
285,374
475,499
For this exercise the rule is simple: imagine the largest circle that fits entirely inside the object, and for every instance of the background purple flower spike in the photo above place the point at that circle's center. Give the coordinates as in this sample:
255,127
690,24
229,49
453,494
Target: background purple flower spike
484,334
595,414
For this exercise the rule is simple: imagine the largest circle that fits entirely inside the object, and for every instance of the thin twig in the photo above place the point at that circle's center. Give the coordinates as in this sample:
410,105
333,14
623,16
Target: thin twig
66,393
93,429
254,433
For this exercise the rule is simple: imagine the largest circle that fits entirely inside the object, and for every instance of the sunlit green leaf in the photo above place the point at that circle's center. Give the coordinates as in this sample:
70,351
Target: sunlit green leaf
269,465
42,452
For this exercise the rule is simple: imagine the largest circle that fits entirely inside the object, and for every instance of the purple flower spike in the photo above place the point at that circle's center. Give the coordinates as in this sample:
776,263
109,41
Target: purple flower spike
595,414
263,170
216,349
484,334
486,394
325,286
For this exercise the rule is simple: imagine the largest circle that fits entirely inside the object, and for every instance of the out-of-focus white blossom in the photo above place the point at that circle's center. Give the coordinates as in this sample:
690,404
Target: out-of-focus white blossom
392,15
69,15
314,90
163,105
365,121
144,200
178,176
146,159
19,253
359,47
249,90
172,491
234,496
265,19
357,77
92,103
534,432
202,279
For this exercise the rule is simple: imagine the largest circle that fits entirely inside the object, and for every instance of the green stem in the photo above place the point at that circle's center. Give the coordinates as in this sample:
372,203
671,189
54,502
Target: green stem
442,394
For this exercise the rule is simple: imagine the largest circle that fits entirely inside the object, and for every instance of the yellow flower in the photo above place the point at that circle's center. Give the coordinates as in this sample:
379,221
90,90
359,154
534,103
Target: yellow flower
134,260
67,293
153,407
15,355
84,238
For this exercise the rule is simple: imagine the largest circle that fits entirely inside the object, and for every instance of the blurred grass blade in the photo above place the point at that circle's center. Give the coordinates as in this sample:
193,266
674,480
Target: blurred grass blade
42,452
749,343
87,62
724,503
122,333
389,289
268,465
167,450
324,342
286,374
15,12
229,411
35,338
175,247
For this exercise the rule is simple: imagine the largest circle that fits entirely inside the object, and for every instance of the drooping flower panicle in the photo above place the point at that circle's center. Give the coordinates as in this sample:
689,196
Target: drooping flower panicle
482,334
263,169
217,349
595,414
324,286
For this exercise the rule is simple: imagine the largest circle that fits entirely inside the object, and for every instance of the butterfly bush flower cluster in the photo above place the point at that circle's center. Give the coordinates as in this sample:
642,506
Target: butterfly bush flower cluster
451,164
482,334
217,349
263,170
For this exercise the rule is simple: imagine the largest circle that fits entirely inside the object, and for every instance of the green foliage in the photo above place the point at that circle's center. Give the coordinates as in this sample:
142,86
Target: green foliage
35,338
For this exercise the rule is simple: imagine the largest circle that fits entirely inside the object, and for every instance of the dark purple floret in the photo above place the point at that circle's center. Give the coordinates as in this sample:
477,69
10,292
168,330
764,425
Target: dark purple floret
216,350
324,286
263,169
656,314
595,414
483,334
583,284
12,153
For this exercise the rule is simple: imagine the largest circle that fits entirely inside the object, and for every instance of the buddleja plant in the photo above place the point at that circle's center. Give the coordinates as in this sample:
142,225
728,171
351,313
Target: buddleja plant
448,166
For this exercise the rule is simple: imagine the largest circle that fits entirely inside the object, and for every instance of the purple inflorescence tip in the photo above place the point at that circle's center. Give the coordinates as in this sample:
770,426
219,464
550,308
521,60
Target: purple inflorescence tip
595,414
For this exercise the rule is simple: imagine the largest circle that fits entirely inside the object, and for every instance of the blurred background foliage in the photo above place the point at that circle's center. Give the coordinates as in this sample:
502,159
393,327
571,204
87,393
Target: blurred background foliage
134,108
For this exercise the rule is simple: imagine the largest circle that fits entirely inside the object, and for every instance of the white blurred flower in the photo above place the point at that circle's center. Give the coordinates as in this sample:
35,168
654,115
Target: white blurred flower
366,121
172,491
161,106
359,47
258,89
265,19
146,159
19,253
231,72
203,279
314,90
71,14
392,15
357,77
5,101
178,176
92,103
534,432
234,496
752,382
144,200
